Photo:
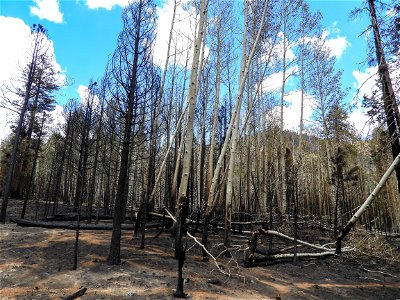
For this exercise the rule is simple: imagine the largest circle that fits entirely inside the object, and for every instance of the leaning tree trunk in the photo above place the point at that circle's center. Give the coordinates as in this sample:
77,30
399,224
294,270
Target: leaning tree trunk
234,142
187,158
366,204
211,194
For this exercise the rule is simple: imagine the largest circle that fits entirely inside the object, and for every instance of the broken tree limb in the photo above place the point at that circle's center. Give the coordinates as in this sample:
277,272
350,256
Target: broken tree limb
366,204
73,226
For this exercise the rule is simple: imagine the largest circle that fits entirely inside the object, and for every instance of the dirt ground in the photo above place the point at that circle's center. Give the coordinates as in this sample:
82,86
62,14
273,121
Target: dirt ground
36,263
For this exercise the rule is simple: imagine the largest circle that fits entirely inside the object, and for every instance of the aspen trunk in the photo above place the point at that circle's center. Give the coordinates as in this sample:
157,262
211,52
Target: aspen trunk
187,158
282,202
211,194
234,141
188,145
244,71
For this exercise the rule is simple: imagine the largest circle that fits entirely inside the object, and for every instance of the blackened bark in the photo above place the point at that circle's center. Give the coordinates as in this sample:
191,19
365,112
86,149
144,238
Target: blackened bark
114,256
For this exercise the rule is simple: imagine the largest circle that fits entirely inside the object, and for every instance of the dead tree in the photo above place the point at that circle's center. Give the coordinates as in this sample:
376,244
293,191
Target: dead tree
129,66
39,37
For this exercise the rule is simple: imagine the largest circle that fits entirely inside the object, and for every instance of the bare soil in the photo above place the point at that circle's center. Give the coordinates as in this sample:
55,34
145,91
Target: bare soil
36,263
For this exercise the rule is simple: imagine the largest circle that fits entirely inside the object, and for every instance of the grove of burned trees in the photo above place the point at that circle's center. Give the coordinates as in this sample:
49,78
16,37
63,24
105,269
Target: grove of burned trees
204,134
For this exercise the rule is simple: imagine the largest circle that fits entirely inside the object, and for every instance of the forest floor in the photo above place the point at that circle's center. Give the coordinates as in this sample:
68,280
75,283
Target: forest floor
36,263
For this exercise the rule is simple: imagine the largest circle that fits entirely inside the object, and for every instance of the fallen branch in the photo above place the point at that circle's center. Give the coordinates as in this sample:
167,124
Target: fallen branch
380,272
79,293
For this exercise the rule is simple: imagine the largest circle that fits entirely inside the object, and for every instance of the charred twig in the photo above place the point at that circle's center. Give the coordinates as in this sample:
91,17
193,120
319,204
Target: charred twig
79,293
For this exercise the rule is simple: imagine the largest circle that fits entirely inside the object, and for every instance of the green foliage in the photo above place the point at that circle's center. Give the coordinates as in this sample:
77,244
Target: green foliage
338,126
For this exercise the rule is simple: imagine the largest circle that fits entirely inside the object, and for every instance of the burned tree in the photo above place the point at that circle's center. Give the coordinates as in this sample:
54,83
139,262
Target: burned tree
35,88
129,68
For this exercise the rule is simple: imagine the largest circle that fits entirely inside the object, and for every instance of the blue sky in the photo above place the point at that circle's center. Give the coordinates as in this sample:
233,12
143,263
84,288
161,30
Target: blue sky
82,42
84,34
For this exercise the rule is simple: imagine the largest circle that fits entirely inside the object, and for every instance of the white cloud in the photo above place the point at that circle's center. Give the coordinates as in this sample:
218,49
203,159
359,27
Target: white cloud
184,29
14,55
6,119
273,82
337,45
83,92
48,10
15,50
278,49
14,37
366,85
292,110
366,81
360,120
58,119
14,33
107,4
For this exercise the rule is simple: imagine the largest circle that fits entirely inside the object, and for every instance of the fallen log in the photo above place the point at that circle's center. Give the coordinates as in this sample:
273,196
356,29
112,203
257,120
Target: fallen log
74,217
273,257
72,226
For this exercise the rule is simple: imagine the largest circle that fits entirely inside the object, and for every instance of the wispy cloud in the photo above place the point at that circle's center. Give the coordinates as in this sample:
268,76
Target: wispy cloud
48,10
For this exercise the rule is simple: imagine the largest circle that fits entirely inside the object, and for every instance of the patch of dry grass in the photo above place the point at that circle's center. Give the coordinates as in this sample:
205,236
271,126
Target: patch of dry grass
372,244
